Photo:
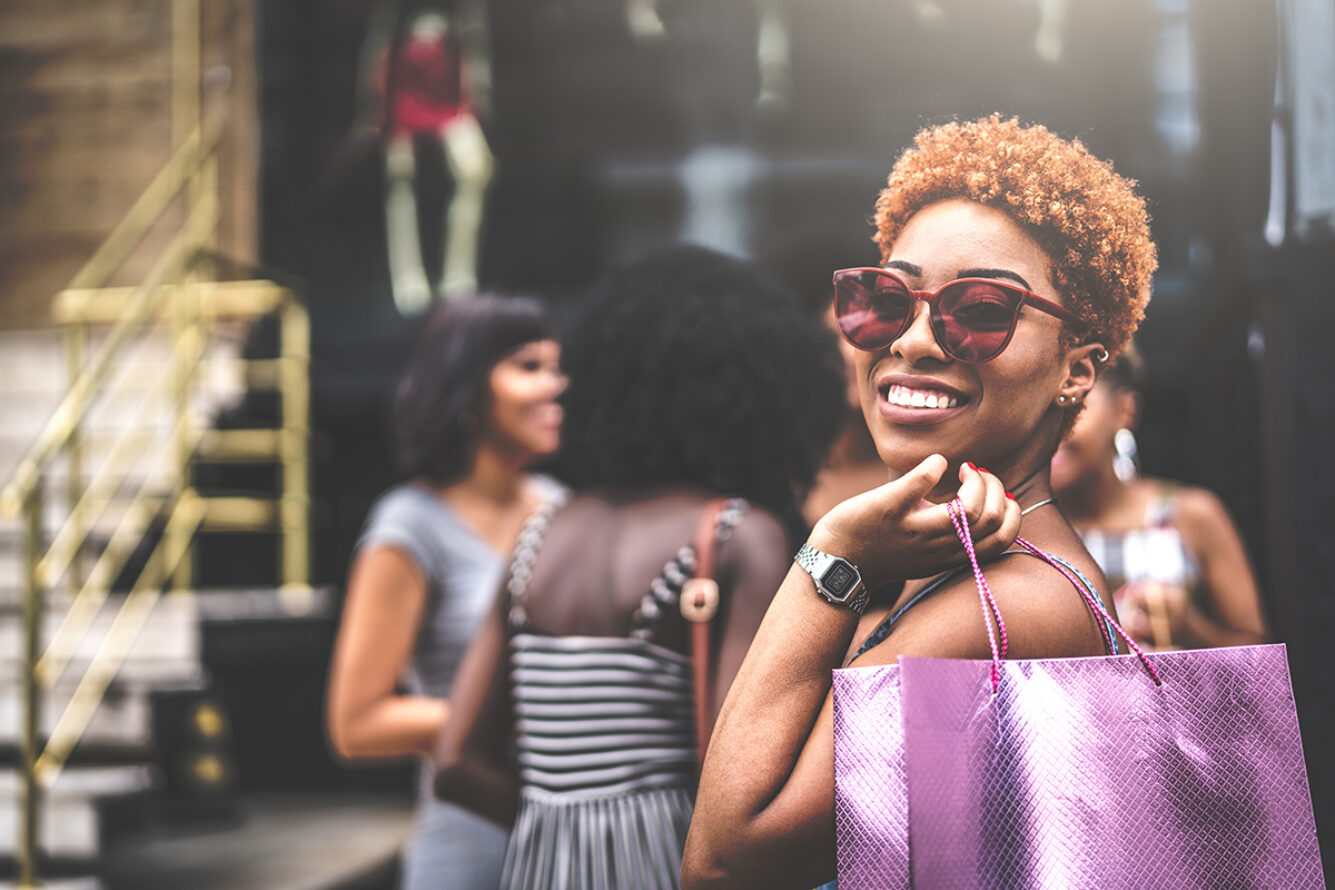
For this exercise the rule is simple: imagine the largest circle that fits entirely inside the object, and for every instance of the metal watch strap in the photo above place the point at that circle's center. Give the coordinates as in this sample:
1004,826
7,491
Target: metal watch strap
811,559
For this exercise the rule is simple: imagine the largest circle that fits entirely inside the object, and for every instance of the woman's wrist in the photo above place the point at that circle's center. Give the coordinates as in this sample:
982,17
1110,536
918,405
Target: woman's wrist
827,541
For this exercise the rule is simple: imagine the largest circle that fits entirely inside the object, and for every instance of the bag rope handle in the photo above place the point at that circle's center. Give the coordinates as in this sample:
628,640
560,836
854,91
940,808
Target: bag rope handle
989,602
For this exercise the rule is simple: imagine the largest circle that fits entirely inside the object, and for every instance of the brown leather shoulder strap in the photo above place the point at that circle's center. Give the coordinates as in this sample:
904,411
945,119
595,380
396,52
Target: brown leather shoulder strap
699,603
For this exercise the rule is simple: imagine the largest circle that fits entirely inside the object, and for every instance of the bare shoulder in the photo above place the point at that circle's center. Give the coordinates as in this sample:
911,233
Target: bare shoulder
760,535
1045,617
1200,512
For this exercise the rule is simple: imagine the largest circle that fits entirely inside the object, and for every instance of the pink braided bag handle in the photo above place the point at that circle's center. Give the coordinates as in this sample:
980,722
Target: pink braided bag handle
997,640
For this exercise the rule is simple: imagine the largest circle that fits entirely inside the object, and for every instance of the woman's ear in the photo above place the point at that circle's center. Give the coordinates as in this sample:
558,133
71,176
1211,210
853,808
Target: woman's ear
1083,365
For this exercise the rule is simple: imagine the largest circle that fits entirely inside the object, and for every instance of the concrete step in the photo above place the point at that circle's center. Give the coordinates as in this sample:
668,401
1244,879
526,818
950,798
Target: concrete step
90,882
123,721
280,841
34,377
166,650
71,826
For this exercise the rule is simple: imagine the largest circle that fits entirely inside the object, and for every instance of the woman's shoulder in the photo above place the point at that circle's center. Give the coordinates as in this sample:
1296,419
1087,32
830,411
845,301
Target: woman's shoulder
759,534
1199,514
403,504
549,489
1045,616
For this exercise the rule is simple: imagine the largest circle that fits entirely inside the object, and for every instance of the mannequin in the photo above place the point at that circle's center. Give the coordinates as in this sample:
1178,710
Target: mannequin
426,84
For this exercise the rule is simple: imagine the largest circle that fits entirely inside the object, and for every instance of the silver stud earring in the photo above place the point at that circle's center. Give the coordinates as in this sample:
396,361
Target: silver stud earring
1063,400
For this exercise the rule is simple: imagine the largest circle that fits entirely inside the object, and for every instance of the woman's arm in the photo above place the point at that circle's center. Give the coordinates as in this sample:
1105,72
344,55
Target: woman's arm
752,564
471,769
1209,531
764,813
381,614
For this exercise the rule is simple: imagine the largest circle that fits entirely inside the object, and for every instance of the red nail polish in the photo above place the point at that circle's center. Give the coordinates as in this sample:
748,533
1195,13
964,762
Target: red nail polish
1009,495
981,469
971,466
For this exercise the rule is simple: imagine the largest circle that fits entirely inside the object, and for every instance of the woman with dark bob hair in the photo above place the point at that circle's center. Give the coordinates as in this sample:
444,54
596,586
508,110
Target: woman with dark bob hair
477,404
692,377
1014,265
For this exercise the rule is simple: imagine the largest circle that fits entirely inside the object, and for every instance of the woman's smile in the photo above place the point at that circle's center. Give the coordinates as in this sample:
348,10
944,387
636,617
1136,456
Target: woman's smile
913,400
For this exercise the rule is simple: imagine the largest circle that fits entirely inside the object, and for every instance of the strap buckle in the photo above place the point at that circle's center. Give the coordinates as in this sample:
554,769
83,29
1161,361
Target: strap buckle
699,599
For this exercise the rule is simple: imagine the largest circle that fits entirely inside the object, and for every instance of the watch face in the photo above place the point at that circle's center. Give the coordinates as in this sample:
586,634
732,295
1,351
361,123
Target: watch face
839,580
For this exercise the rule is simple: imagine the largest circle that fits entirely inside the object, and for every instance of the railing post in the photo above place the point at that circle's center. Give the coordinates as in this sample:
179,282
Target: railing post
294,384
75,343
183,332
29,735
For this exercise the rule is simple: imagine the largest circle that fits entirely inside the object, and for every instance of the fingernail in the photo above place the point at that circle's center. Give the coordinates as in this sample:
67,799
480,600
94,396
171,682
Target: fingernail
981,469
971,466
1009,495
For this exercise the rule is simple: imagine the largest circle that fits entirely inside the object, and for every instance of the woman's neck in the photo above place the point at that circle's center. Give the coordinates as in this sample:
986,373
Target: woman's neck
1094,495
1034,489
495,477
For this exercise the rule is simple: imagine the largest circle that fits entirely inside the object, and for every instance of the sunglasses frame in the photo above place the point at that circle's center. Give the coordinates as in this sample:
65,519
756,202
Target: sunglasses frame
937,321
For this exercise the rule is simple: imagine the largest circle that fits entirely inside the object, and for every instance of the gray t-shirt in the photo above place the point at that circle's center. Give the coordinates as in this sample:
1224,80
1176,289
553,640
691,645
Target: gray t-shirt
450,847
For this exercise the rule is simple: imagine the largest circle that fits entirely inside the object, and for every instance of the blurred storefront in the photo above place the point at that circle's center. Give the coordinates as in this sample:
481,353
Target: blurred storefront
618,124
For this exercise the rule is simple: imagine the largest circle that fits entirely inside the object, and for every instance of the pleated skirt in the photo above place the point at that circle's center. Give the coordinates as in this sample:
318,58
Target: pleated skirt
614,842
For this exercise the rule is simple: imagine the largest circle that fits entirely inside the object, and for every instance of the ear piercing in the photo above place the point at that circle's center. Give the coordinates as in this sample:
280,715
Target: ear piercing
1065,400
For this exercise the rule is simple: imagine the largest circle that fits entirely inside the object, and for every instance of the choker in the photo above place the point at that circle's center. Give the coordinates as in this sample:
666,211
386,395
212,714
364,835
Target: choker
1032,507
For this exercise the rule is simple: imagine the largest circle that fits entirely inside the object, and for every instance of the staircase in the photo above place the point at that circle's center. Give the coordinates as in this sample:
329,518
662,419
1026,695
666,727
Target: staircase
117,756
102,424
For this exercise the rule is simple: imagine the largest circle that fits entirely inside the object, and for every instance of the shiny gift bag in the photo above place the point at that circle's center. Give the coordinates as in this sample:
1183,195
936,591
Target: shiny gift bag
1107,772
1079,772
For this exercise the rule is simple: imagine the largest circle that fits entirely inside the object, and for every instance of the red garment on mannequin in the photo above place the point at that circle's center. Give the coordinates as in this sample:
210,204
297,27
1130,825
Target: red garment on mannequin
427,82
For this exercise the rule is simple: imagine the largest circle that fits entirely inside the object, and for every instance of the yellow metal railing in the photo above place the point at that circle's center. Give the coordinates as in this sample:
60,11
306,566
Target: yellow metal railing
102,524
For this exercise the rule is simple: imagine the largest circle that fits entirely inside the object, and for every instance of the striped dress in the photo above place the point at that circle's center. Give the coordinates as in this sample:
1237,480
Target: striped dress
606,746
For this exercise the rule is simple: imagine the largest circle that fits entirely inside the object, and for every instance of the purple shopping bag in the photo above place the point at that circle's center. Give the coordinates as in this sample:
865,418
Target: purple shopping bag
1108,772
1081,772
871,796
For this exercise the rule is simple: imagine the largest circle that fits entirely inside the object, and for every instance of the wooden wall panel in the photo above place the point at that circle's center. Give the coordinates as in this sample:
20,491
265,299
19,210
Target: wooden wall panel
85,106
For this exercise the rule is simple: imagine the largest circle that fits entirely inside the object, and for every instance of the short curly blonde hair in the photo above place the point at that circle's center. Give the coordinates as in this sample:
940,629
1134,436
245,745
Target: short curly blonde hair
1088,219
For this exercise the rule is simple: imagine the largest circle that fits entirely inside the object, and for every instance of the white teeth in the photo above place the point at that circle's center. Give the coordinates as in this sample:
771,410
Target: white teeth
919,398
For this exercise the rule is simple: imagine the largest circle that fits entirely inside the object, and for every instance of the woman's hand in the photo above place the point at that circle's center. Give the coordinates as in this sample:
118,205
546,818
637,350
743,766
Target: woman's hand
892,533
1154,613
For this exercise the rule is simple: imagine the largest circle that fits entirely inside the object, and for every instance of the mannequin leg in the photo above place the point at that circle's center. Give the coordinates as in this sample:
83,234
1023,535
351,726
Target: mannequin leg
773,58
412,292
471,166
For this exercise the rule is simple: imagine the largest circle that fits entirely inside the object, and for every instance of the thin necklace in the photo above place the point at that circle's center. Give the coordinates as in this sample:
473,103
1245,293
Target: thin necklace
1032,507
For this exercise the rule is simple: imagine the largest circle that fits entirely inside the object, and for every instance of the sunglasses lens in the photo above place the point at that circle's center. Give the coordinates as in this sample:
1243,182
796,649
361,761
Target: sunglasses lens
871,308
974,319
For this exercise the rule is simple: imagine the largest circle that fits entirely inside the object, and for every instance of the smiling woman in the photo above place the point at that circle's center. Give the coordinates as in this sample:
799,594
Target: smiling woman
478,403
1015,264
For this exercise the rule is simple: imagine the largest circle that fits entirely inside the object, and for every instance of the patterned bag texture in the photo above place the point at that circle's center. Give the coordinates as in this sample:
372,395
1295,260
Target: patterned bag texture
871,795
1081,772
1180,770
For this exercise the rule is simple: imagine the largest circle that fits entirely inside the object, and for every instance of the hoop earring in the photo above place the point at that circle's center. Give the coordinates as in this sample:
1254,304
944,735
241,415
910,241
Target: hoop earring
1126,460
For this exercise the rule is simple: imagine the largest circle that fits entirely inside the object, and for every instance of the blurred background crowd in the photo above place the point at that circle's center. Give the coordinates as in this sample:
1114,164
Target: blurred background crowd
253,205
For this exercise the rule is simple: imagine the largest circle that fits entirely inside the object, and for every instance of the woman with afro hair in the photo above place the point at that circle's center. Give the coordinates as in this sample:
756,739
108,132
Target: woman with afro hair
1014,266
692,378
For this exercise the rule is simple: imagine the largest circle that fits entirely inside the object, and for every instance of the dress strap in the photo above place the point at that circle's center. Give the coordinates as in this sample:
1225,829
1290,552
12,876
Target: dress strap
526,551
1162,506
882,630
665,590
877,636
